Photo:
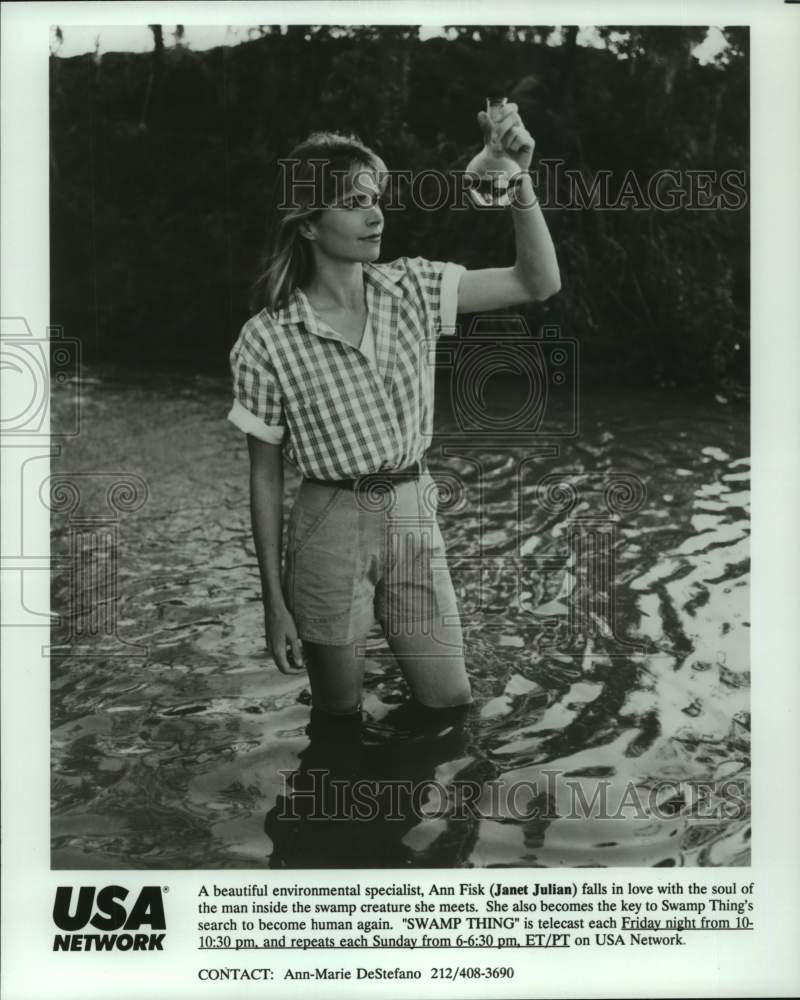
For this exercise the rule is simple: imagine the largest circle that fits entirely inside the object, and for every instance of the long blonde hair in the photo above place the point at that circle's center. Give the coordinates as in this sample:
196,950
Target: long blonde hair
317,166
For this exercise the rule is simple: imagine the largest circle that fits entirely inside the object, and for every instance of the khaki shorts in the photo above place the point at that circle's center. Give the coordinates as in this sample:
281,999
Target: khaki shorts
355,558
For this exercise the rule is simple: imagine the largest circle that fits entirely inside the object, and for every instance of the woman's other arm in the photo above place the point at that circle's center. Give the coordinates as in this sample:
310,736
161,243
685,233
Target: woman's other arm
266,512
535,274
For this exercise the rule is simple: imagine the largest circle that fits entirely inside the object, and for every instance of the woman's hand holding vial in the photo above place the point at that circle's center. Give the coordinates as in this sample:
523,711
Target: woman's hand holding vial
507,153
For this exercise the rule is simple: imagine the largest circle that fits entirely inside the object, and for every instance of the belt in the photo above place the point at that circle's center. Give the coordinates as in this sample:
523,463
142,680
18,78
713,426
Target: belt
385,477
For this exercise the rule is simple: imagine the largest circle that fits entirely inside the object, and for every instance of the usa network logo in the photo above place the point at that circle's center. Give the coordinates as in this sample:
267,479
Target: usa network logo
109,909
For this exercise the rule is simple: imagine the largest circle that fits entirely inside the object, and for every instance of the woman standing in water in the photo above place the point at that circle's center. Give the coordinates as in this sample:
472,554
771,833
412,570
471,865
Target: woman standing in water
329,374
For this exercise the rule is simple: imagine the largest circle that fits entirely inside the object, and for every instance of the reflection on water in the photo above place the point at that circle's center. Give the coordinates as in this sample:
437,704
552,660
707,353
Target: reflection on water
611,723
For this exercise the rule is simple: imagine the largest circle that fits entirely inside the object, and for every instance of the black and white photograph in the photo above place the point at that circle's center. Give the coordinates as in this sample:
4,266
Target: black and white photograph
379,482
458,576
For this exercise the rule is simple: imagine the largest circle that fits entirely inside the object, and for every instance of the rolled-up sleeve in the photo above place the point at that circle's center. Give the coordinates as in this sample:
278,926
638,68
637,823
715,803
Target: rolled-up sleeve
438,282
257,401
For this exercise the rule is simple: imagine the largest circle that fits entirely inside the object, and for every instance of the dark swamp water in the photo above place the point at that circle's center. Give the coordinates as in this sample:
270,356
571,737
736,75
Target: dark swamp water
176,743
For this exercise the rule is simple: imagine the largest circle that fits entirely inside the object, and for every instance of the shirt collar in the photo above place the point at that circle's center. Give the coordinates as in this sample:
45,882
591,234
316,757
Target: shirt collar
385,277
382,277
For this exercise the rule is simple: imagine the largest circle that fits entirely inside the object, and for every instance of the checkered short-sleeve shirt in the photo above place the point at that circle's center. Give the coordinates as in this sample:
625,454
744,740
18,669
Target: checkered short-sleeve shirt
345,415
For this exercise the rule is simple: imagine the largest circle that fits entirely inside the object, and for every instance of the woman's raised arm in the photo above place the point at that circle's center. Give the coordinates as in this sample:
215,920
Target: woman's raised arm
535,274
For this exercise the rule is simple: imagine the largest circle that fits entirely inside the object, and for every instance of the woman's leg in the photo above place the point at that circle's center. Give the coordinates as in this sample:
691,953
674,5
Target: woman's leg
430,654
329,591
336,674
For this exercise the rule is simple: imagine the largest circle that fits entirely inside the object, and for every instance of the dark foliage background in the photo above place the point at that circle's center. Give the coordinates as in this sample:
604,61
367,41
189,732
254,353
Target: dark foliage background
163,164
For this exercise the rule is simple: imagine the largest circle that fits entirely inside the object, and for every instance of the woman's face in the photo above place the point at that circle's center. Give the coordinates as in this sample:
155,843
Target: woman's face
351,228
